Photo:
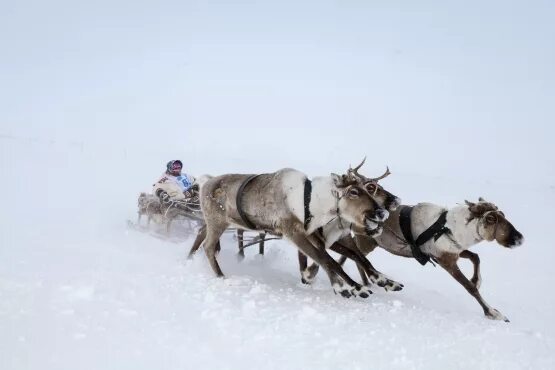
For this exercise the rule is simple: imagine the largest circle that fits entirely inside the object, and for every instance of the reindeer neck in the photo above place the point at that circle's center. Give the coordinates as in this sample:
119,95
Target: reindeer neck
335,230
463,232
323,202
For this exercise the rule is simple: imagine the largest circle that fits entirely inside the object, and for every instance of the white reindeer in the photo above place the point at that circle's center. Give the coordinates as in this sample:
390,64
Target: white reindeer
286,203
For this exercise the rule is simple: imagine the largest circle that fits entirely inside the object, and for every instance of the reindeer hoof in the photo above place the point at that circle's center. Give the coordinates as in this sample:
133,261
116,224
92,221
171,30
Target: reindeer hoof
345,294
343,290
363,292
394,286
309,273
493,314
388,284
307,277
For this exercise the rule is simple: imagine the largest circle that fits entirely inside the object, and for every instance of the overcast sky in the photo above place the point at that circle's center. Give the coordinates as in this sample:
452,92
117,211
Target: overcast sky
443,84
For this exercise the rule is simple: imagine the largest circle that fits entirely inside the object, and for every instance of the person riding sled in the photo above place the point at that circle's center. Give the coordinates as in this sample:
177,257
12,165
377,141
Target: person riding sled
174,185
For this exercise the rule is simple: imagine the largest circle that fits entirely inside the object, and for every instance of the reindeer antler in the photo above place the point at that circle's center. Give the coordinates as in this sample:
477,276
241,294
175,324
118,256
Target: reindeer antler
354,171
386,173
346,183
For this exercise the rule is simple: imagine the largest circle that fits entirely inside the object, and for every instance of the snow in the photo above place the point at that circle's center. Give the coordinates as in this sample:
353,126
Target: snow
79,289
96,98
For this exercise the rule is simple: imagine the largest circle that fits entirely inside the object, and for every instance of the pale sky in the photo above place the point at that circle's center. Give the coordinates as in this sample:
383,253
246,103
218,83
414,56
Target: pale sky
405,81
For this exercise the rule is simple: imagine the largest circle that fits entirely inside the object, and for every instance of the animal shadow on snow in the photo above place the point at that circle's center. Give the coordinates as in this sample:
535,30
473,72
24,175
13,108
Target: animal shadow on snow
277,269
274,268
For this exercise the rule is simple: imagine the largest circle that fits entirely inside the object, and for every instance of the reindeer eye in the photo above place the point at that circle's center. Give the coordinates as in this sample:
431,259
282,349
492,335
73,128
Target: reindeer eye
353,192
491,219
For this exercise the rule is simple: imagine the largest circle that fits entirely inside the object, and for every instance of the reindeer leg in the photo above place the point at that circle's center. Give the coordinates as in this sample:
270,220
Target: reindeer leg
449,263
348,249
346,253
335,267
348,245
475,259
363,275
303,261
240,234
168,224
213,234
261,245
365,268
198,241
307,273
361,271
346,287
364,245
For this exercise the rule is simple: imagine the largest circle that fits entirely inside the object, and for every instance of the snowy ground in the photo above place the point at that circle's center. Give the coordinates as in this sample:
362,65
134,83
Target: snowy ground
95,97
79,290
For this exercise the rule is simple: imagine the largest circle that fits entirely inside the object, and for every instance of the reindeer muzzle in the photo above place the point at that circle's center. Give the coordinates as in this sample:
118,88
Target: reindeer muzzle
395,203
516,240
380,215
373,228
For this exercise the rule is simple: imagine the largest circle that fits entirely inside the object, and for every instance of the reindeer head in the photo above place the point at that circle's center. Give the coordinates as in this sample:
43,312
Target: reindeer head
380,195
356,206
143,200
148,203
492,224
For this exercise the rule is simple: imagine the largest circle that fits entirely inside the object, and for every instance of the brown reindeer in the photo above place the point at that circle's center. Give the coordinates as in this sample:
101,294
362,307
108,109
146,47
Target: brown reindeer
464,227
149,205
345,244
286,203
167,210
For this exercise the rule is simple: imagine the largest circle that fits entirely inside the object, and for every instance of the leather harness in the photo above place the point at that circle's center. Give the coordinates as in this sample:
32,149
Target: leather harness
239,203
435,231
307,196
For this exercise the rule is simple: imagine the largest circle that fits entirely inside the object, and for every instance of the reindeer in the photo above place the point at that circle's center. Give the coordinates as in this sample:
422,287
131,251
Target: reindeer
167,210
149,205
383,197
458,229
240,233
286,203
339,237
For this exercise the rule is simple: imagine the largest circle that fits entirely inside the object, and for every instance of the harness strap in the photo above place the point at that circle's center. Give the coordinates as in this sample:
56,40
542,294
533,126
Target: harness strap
404,222
239,203
435,231
307,196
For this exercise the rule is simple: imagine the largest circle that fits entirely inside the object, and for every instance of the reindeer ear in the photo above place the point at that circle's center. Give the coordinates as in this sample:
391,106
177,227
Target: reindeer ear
470,204
337,180
481,199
